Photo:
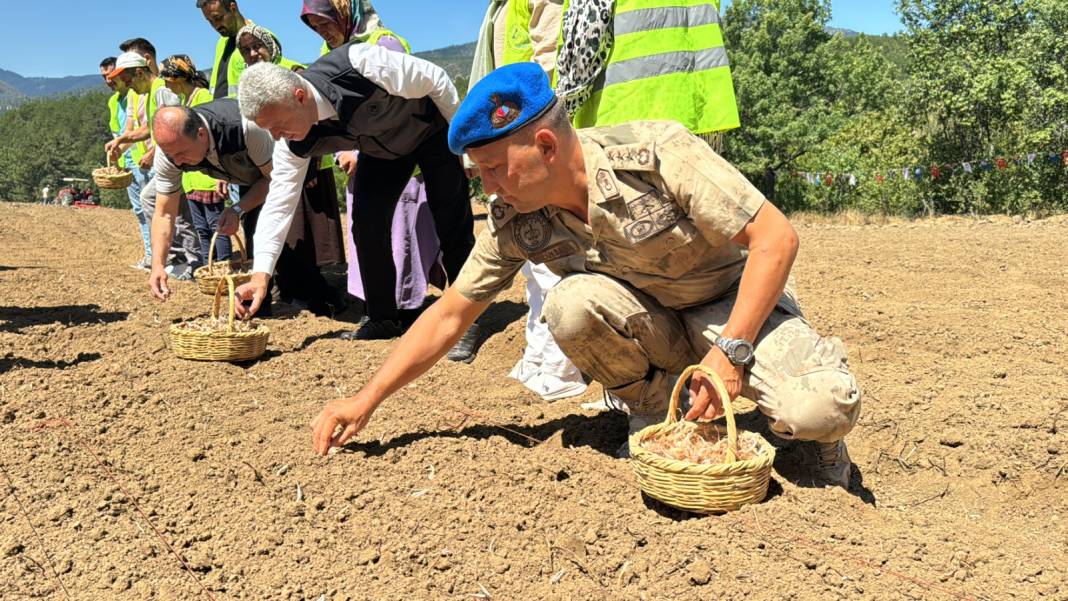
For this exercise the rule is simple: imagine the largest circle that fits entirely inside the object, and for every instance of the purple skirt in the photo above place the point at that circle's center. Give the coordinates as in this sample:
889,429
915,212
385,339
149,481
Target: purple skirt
416,252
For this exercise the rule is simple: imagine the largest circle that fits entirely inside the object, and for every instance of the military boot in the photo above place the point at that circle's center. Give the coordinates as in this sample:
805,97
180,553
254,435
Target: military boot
829,462
651,409
465,348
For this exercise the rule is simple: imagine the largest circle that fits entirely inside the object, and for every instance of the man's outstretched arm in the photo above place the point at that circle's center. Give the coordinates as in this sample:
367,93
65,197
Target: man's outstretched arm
426,342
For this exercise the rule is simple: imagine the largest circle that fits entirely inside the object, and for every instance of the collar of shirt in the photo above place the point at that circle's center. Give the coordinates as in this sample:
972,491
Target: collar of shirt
325,109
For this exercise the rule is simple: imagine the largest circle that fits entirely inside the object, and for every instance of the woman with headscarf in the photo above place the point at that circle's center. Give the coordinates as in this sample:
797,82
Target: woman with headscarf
415,243
206,203
256,45
314,238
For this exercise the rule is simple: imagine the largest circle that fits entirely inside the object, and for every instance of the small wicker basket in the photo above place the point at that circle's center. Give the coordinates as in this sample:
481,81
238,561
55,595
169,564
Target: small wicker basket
697,487
220,346
240,269
112,178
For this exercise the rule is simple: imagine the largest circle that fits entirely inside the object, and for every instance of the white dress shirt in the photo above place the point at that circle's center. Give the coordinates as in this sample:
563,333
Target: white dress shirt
398,74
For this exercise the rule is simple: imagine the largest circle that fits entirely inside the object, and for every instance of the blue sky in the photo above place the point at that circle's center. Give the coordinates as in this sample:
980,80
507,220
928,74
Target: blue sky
69,37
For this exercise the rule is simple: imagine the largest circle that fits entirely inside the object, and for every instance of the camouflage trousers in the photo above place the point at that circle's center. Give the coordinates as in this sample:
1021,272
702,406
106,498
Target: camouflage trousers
628,342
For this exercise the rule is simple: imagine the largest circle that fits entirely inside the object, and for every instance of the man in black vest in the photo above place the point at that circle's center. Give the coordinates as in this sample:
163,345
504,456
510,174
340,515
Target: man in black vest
216,140
395,109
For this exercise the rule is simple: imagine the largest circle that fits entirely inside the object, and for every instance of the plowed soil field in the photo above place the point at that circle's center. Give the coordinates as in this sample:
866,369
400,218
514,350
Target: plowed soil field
118,458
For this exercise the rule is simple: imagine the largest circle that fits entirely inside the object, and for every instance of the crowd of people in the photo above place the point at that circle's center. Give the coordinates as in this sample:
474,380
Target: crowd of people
588,122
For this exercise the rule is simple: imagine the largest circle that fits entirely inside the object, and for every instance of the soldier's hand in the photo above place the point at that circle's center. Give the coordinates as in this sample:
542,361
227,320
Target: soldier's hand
705,403
347,162
338,422
222,187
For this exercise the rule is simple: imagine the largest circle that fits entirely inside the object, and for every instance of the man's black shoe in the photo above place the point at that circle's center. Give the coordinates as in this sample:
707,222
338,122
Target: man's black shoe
383,329
464,350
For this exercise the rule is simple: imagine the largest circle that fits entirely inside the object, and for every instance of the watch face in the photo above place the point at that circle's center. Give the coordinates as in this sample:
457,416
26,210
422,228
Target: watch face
743,353
740,352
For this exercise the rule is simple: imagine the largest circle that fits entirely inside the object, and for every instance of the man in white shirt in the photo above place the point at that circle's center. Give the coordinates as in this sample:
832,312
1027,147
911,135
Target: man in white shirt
395,109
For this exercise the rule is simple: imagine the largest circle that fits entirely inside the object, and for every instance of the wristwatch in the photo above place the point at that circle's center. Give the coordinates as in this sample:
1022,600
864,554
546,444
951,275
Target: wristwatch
237,209
737,350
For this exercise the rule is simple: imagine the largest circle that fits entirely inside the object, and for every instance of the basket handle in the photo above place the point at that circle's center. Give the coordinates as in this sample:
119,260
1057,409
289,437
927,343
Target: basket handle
211,249
721,390
218,298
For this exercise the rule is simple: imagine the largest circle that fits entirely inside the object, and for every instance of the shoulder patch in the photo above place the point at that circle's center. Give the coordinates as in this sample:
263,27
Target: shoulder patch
500,214
632,157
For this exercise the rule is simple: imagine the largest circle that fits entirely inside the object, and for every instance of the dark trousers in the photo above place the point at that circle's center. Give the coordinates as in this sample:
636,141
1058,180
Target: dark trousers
205,218
378,186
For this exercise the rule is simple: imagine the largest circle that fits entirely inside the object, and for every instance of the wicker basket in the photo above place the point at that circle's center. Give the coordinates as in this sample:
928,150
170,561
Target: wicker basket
696,487
240,269
104,177
220,346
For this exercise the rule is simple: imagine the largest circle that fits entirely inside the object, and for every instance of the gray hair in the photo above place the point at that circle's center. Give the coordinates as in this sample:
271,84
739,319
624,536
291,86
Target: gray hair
267,84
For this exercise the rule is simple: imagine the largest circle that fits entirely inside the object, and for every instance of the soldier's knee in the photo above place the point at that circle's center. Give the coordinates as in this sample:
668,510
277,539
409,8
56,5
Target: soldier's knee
567,310
822,404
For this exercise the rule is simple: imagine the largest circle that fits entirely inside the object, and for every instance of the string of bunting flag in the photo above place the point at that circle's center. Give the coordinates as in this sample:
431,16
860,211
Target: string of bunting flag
936,171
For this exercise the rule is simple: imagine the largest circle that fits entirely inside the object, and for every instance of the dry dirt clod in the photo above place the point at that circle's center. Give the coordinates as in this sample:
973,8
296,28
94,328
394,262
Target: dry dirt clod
367,556
700,572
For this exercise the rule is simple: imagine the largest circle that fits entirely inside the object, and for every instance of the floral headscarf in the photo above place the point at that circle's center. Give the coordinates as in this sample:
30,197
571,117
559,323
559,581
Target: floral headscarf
356,18
180,66
270,43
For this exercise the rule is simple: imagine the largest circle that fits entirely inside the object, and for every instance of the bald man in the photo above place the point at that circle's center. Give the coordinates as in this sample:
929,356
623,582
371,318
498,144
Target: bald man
216,140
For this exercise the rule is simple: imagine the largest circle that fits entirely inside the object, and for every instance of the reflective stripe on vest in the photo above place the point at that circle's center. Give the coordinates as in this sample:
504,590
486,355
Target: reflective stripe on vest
668,61
194,180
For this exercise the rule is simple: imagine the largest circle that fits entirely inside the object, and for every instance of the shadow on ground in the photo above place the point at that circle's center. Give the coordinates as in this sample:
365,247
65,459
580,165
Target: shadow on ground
10,362
15,319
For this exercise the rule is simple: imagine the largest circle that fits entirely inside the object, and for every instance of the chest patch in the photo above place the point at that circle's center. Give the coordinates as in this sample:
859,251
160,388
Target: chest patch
532,231
652,214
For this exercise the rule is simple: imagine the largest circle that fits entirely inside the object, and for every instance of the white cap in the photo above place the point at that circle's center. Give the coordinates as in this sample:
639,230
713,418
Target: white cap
127,60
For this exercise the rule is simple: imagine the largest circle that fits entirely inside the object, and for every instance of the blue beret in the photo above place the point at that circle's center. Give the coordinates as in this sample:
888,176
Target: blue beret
502,102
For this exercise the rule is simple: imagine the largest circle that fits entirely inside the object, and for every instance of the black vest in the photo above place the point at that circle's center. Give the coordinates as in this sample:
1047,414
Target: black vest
369,119
224,122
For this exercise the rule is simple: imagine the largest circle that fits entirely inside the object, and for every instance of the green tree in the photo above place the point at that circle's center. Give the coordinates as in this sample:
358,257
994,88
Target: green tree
797,85
989,80
43,141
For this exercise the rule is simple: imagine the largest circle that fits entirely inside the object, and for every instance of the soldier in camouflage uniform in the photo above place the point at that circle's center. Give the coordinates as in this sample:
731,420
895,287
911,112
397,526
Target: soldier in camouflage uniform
668,255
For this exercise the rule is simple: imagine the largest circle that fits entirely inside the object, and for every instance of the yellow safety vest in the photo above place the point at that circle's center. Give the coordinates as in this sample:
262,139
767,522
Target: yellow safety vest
114,125
153,101
133,111
668,62
195,180
377,34
518,45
